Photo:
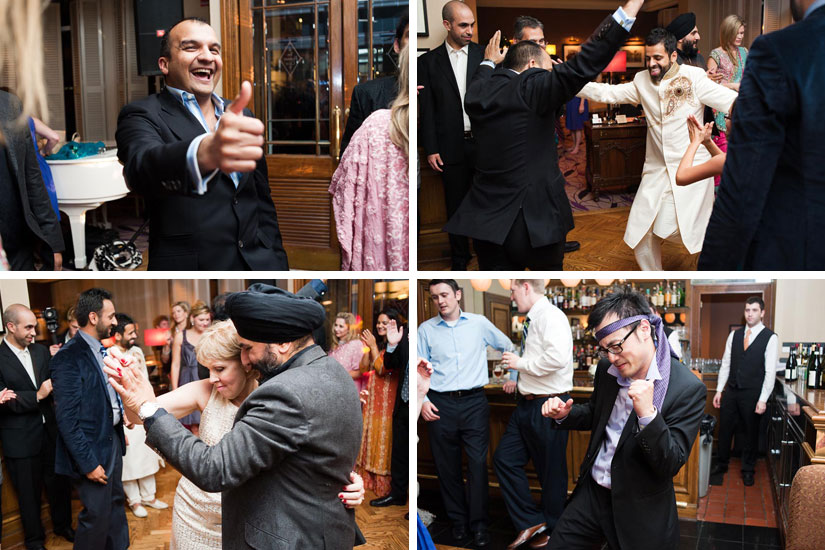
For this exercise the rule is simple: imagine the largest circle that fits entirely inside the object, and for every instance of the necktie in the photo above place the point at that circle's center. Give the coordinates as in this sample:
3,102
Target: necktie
524,330
405,385
747,338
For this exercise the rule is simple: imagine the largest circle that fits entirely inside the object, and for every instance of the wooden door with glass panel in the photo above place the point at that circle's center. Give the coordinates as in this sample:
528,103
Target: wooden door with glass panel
304,57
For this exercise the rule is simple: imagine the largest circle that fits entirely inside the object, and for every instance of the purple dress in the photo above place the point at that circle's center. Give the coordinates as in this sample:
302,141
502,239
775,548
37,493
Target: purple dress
573,120
188,373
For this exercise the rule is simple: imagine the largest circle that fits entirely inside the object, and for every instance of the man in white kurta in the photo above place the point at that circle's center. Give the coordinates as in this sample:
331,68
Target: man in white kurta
661,209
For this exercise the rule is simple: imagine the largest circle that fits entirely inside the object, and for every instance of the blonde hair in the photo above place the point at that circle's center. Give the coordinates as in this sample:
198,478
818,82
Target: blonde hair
199,309
352,334
219,342
727,36
400,108
536,285
184,305
22,38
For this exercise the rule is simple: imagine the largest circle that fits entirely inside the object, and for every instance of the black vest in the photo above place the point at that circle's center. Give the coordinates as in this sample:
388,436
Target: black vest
747,367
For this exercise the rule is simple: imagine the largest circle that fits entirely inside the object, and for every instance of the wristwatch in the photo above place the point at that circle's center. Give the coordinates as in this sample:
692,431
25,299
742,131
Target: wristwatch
148,409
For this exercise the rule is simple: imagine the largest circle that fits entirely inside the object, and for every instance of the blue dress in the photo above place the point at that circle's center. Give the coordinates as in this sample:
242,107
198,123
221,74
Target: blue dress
425,542
188,373
573,120
44,170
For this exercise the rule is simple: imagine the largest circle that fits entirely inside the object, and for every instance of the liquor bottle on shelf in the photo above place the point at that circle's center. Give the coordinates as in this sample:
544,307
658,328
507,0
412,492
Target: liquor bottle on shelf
667,295
802,364
813,366
820,368
790,368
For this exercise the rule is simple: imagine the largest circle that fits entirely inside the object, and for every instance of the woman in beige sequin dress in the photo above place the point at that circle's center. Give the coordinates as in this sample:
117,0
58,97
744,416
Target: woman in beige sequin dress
196,515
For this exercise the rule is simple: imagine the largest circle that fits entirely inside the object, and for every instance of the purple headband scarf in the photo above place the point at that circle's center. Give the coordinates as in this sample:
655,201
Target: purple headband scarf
663,351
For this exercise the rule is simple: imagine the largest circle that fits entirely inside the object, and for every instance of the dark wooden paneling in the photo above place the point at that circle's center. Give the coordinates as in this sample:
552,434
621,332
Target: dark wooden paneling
497,310
615,155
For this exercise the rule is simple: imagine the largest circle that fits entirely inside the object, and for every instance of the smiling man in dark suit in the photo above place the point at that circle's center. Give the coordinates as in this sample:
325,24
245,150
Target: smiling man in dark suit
199,164
643,416
445,134
28,429
517,211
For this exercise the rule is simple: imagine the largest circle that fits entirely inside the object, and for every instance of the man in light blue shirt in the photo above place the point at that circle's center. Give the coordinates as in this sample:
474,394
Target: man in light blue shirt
456,409
199,163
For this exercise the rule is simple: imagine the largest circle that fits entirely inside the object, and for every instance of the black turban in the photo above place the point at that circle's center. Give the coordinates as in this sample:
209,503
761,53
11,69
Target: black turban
268,314
682,25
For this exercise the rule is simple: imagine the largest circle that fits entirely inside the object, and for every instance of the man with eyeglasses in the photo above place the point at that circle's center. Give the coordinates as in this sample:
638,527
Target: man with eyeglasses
643,415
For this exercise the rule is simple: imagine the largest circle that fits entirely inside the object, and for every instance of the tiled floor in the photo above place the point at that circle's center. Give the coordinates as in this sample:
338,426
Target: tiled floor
734,503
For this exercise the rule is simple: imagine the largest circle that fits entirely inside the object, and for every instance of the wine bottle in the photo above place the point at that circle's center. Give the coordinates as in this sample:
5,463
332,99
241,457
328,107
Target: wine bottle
820,367
812,368
790,368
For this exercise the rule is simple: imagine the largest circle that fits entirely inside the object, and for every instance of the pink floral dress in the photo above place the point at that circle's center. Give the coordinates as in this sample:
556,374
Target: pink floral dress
370,197
349,355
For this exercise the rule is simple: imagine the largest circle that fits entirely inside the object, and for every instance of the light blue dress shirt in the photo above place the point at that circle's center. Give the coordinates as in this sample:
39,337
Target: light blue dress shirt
815,6
191,103
114,399
619,16
616,423
458,353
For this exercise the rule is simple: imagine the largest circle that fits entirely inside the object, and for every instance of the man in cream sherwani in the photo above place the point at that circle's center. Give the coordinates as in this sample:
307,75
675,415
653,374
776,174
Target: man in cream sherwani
668,92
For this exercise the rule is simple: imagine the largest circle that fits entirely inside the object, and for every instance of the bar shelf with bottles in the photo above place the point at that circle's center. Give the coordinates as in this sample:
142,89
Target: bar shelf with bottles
668,296
796,420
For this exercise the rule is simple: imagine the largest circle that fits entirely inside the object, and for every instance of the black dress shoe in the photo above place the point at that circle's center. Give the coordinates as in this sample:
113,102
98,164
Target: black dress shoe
481,539
719,469
459,265
67,534
388,500
571,246
747,478
460,534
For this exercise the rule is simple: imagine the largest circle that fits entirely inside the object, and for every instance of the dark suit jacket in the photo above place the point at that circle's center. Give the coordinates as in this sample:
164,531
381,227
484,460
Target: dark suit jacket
768,210
644,503
223,229
399,359
281,467
513,117
367,98
21,419
37,208
442,120
83,410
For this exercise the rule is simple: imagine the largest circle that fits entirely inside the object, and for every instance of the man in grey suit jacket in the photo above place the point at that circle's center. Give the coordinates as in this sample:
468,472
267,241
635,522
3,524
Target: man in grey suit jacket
295,438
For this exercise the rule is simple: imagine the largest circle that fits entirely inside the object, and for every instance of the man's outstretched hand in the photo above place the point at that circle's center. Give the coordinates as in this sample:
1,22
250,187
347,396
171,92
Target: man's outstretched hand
237,144
492,51
633,7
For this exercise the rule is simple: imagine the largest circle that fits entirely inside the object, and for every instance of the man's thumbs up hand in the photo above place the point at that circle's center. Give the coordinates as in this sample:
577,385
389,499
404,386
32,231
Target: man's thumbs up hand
237,144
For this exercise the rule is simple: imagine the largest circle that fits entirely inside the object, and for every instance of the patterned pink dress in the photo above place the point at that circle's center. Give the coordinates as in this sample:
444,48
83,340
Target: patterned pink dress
370,196
349,355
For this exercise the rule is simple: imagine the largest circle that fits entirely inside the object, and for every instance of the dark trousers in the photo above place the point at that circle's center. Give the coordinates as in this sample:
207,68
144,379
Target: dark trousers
28,476
101,524
399,463
587,522
529,436
464,422
457,179
518,253
738,405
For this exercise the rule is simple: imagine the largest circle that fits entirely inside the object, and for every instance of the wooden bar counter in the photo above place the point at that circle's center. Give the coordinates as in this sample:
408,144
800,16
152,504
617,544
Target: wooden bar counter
685,483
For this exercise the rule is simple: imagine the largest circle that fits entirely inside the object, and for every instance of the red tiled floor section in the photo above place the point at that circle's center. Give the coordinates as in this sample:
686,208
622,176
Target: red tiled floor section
732,502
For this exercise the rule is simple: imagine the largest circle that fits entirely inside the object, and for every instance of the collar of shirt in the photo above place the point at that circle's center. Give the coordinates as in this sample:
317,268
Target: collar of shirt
442,321
464,49
652,373
541,304
17,351
188,99
93,342
813,7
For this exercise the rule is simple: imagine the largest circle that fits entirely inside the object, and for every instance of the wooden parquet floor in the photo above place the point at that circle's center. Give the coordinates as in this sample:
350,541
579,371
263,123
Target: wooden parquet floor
602,247
384,528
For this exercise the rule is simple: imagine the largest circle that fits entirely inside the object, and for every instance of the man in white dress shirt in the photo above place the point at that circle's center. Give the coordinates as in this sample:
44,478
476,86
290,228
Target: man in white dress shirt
746,380
668,92
445,134
545,370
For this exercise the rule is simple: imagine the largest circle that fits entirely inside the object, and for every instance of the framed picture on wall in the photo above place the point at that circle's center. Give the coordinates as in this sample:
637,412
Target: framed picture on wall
567,49
635,56
423,27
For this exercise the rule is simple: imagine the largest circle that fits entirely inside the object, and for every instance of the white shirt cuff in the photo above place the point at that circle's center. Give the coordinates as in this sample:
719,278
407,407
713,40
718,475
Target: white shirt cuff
192,165
622,19
489,63
645,420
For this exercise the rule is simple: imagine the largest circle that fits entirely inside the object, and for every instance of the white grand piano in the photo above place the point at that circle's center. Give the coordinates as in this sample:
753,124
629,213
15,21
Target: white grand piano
82,185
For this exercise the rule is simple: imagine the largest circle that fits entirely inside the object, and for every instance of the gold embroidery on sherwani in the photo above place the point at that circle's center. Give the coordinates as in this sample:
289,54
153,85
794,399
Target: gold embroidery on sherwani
677,94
